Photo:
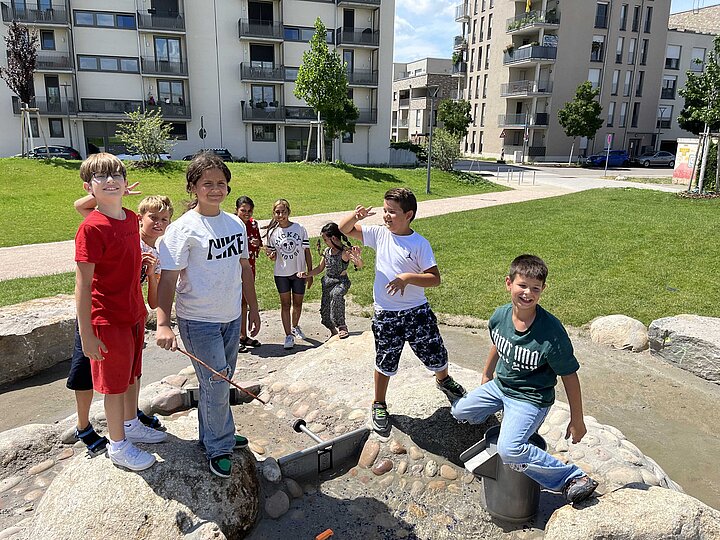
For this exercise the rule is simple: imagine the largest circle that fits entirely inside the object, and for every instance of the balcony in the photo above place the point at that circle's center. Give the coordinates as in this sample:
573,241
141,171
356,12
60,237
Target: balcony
664,123
171,110
522,120
47,106
167,21
460,43
293,113
260,29
527,23
601,21
536,151
462,12
366,37
152,66
359,3
527,55
459,69
526,88
362,77
24,13
269,73
367,116
57,61
667,93
267,113
109,106
404,103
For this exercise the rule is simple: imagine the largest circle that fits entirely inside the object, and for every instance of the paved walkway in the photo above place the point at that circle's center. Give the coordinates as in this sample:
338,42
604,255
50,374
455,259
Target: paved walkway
58,257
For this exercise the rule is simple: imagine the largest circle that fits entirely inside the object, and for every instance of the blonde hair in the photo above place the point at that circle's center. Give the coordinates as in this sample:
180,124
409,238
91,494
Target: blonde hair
102,163
273,222
155,203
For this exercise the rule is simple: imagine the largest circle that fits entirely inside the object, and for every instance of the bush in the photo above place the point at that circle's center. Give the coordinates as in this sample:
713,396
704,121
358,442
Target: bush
445,149
418,150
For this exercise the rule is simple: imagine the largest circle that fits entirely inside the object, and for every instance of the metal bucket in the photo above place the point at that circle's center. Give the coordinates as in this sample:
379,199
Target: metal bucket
509,495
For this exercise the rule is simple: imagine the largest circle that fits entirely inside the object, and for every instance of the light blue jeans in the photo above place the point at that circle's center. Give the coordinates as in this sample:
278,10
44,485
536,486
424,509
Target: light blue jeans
216,344
520,420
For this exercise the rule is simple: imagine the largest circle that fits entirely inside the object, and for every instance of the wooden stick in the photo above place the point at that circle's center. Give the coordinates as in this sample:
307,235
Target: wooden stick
222,376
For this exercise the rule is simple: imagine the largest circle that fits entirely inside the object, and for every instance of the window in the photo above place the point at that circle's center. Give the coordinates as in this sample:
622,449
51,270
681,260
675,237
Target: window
623,16
485,79
635,114
303,33
615,82
171,92
611,113
89,63
597,49
475,10
628,83
672,57
417,118
474,30
697,63
56,128
594,77
474,115
263,133
34,127
262,96
125,21
644,51
479,57
347,137
47,40
108,63
639,84
648,19
636,19
669,85
83,18
631,51
489,26
482,25
623,114
664,117
178,131
487,57
601,15
482,115
105,19
168,50
619,50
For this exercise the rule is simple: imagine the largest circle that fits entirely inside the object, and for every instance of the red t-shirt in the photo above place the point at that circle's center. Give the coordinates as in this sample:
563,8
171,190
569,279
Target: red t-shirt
113,245
253,231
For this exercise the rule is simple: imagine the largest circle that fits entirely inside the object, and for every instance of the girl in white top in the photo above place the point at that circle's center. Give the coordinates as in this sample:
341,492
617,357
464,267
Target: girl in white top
289,246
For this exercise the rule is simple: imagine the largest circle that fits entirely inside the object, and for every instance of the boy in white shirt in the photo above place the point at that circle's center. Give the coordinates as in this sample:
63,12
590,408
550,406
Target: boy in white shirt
404,264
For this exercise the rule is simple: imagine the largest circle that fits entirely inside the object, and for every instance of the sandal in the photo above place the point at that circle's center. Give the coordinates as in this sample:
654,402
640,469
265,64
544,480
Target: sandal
343,333
249,342
242,347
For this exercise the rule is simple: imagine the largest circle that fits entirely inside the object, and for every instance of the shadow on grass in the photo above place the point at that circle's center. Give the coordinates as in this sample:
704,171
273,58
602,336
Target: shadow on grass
369,175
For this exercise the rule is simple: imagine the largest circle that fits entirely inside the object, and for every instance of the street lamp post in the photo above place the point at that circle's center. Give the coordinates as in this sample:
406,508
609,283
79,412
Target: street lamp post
67,110
662,109
433,97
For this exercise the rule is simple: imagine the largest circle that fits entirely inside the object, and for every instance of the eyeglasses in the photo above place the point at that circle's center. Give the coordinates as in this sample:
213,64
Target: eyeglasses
103,177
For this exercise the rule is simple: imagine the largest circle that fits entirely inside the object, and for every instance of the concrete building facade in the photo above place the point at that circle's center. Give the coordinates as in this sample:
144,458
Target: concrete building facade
222,72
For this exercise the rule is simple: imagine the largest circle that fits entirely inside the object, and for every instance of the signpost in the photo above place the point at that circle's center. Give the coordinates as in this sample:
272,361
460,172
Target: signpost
608,144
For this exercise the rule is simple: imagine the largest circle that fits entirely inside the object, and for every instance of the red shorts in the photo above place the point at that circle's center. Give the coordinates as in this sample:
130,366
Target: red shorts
123,359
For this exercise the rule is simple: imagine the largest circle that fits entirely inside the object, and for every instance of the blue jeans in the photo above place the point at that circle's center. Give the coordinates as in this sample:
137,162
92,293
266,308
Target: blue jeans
216,344
520,420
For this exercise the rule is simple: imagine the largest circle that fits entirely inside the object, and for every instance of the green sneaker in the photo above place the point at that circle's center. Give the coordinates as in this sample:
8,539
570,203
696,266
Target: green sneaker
221,466
240,442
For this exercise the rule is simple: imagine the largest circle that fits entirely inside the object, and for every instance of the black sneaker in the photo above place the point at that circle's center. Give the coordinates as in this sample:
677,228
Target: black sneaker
579,489
452,389
240,442
150,421
221,466
96,444
380,417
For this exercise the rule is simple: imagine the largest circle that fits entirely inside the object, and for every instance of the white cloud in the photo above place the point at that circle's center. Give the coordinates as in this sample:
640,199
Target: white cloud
424,28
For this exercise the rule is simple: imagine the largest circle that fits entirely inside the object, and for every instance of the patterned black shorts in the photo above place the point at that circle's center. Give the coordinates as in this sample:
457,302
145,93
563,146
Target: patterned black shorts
418,326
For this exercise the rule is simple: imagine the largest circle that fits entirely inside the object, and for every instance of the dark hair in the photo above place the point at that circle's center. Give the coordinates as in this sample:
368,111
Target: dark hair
332,231
405,199
201,162
529,266
244,200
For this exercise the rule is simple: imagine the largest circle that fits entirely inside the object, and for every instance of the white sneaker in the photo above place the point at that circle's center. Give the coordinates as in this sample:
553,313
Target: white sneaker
289,342
140,433
298,333
131,457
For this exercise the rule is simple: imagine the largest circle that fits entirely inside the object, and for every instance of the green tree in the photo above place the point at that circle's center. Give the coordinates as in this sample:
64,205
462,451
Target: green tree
581,116
322,82
445,149
147,134
455,116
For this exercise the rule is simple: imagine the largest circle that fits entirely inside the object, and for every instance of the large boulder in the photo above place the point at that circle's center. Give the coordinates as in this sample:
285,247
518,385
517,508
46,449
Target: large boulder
20,447
178,497
620,332
691,342
35,335
637,512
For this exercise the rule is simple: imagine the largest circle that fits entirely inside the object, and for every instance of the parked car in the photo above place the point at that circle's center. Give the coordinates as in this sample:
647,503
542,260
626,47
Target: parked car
656,159
618,158
64,152
138,157
224,153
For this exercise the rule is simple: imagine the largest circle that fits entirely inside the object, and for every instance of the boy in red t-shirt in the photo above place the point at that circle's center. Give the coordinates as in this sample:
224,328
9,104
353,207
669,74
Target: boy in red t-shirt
110,307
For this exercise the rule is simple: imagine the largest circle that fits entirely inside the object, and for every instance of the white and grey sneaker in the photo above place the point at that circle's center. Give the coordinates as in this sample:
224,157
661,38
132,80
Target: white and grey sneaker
131,457
140,433
298,333
289,342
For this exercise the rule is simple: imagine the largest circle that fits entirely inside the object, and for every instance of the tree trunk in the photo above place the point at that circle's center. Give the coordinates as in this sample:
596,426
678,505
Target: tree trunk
572,149
698,153
703,165
307,151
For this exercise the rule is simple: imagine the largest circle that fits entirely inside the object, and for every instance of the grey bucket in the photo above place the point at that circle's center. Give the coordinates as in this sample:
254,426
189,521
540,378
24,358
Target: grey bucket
509,495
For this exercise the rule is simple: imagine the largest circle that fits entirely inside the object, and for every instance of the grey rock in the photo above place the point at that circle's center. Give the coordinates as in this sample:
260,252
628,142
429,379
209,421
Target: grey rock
295,489
369,453
620,332
9,483
431,468
690,342
415,453
21,446
277,505
271,470
170,401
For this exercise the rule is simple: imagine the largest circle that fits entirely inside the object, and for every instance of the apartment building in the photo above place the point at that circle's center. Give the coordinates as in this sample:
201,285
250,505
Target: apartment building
414,84
525,59
221,72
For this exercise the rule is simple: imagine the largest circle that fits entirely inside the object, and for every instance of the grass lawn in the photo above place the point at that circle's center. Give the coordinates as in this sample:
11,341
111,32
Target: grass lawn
629,251
38,195
643,180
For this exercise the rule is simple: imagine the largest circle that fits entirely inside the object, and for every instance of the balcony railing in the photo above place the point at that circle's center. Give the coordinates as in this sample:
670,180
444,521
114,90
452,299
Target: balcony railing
601,21
260,29
462,12
357,36
665,123
171,110
460,43
459,68
300,113
363,76
522,119
667,93
536,151
25,13
534,52
532,18
359,2
47,61
47,106
367,116
516,88
249,72
160,67
267,113
404,102
155,19
109,106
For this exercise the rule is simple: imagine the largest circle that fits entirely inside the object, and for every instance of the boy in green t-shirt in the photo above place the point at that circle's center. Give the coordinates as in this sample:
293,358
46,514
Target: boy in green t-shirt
533,348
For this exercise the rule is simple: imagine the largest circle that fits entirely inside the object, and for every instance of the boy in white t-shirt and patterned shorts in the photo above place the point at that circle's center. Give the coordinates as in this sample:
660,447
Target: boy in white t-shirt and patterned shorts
404,264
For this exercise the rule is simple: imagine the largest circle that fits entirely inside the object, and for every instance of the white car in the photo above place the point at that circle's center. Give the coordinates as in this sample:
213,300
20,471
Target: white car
138,157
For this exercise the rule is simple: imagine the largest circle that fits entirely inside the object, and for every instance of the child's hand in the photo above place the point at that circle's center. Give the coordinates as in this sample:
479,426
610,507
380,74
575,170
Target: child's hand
302,275
255,242
149,262
129,189
397,285
271,253
576,429
165,338
361,212
343,273
308,281
93,348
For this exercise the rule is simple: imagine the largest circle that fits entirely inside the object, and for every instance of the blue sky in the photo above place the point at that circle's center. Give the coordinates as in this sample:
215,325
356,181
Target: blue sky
426,27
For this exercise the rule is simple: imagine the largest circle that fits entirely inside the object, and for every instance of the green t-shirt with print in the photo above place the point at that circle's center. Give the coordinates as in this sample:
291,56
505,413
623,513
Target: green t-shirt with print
530,362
